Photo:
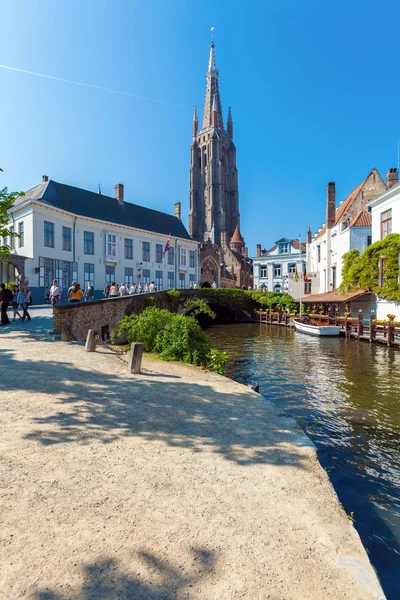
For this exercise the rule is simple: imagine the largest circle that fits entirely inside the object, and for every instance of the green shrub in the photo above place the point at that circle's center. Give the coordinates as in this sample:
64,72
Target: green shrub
10,286
174,337
200,307
217,360
184,340
146,328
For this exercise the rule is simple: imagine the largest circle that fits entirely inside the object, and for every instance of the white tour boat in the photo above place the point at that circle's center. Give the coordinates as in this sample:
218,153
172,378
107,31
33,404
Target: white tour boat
316,329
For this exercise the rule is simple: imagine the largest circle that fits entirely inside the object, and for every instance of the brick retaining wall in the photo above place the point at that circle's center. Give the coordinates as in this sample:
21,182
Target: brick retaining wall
98,314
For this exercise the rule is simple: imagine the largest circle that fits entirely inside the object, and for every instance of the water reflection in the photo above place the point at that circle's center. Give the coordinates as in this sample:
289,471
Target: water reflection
346,395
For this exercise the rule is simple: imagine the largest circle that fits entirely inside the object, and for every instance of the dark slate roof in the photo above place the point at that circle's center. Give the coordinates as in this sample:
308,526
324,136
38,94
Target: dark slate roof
105,208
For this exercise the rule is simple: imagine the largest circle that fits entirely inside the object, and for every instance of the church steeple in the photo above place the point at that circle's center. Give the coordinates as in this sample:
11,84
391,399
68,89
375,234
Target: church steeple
195,122
212,93
229,127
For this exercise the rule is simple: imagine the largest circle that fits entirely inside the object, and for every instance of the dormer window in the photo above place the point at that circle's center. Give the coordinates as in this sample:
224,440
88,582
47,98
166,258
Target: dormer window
283,248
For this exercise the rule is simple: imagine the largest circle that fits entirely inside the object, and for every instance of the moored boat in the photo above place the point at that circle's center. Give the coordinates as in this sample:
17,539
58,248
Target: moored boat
315,329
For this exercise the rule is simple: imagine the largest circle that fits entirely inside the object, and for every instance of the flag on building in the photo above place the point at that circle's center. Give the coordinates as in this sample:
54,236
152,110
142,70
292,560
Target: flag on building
305,277
167,247
296,275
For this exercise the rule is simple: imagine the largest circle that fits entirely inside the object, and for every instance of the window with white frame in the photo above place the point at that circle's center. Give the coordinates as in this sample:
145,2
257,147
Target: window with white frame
171,256
48,234
146,251
292,268
21,234
182,281
171,280
159,280
263,271
277,271
159,253
111,245
66,239
283,248
128,248
88,242
192,279
182,257
146,276
110,273
128,275
191,258
12,239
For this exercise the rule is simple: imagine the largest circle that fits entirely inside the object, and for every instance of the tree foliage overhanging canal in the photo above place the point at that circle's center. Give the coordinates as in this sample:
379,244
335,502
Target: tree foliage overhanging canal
174,331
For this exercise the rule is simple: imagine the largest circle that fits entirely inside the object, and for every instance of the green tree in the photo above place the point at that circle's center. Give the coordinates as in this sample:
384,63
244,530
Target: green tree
7,199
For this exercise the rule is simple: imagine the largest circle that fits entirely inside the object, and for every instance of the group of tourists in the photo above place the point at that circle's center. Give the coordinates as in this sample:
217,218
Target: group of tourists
19,298
114,290
74,294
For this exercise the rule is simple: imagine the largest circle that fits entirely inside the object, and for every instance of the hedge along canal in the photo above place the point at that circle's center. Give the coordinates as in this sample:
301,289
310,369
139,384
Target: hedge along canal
346,396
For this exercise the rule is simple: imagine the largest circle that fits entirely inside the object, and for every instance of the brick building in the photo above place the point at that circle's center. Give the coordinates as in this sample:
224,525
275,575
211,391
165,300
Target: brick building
214,218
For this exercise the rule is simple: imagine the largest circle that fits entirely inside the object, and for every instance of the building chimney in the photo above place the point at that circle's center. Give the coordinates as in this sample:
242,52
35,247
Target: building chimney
258,250
309,236
330,204
44,178
177,210
119,192
392,177
245,251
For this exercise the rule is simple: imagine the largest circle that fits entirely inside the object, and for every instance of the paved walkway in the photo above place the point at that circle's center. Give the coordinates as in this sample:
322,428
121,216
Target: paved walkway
175,484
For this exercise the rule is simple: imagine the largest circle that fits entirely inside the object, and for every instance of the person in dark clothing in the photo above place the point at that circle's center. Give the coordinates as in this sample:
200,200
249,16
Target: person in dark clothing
6,297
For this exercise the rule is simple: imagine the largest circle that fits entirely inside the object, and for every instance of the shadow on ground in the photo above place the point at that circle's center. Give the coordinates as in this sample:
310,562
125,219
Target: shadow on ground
104,407
104,580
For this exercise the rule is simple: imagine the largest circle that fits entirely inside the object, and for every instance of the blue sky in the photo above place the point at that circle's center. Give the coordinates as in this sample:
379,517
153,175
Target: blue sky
313,87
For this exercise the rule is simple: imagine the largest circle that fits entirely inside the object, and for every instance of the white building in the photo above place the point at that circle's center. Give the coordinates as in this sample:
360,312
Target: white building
347,227
67,233
275,270
385,213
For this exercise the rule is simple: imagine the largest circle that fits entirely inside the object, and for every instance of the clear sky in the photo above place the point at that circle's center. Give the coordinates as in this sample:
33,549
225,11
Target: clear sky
313,86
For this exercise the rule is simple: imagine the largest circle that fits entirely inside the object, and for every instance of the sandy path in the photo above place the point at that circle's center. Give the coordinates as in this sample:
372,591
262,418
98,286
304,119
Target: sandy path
182,485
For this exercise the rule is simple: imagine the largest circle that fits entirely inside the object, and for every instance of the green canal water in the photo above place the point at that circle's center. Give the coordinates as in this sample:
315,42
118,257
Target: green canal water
346,396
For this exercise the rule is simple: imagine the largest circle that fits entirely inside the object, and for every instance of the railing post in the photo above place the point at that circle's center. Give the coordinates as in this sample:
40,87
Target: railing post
390,330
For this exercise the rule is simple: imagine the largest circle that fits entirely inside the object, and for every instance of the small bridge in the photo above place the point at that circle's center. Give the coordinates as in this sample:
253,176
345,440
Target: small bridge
103,315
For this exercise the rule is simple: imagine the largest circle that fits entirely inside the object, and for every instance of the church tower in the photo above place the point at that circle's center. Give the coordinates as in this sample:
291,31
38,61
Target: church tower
214,198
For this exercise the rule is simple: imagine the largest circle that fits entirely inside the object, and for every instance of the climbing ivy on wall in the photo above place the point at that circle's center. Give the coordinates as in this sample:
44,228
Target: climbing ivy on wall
363,271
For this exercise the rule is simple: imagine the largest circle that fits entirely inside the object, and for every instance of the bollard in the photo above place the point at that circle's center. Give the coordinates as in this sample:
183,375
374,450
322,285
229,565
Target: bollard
135,358
66,332
90,345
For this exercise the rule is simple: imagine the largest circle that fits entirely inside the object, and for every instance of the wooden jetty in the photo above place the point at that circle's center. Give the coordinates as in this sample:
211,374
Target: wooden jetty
369,330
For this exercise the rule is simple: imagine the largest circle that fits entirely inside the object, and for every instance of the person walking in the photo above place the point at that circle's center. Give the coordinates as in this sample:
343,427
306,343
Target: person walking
24,298
213,285
146,288
89,292
114,290
107,288
140,287
152,287
6,297
76,294
132,289
55,292
15,303
122,289
71,287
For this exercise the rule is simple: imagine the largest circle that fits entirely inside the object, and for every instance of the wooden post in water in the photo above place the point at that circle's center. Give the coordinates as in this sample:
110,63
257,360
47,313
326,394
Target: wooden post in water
372,328
390,332
360,328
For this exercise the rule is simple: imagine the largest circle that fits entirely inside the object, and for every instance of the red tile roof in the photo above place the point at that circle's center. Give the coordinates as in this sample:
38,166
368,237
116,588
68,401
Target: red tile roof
333,297
341,209
237,236
363,219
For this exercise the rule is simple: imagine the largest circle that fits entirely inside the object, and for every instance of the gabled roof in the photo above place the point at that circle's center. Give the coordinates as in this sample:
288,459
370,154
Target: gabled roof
105,208
341,209
363,219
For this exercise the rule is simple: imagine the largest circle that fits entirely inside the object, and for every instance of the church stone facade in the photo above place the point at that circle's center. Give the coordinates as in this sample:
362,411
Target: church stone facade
214,218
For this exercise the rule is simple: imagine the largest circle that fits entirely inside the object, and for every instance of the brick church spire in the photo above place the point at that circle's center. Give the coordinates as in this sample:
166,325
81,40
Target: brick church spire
212,93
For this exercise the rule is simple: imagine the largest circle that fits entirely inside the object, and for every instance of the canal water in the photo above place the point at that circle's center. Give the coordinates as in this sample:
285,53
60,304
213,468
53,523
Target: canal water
346,396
